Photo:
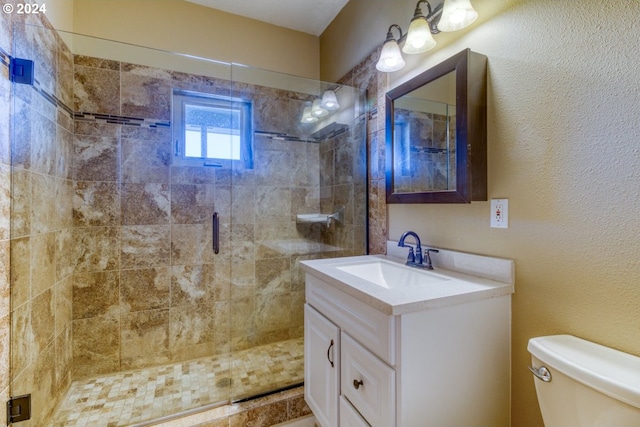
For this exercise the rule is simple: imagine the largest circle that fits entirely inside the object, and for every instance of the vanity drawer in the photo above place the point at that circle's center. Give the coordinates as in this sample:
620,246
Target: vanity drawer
368,383
372,328
349,417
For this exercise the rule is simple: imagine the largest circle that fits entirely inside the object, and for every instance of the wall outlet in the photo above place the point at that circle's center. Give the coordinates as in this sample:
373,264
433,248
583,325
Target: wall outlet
500,213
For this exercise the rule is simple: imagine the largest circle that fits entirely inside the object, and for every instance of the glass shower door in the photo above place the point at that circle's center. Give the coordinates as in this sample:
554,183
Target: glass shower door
119,309
299,168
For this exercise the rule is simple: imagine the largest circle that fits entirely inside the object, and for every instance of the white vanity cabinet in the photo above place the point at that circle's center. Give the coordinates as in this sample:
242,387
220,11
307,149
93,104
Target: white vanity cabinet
322,365
447,365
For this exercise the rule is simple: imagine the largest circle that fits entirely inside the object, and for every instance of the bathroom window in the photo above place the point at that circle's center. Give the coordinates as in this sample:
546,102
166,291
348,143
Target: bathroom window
211,130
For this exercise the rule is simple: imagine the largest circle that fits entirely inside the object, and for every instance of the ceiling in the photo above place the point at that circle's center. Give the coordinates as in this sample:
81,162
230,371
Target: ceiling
308,16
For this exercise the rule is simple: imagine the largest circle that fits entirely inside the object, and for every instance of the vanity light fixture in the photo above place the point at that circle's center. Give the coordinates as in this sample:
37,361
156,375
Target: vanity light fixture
419,38
390,56
457,14
329,101
307,117
321,107
317,110
451,15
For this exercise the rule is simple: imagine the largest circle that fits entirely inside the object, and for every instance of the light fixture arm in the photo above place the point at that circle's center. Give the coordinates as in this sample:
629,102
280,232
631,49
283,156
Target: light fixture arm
418,11
433,15
390,34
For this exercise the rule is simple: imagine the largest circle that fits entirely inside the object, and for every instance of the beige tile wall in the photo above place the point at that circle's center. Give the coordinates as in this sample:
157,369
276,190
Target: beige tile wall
146,276
366,77
39,218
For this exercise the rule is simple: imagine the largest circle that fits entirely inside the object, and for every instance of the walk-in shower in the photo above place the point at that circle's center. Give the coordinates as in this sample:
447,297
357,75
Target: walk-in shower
160,206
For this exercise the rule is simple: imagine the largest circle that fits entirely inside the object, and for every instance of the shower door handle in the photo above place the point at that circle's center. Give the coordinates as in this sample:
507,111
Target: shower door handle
216,233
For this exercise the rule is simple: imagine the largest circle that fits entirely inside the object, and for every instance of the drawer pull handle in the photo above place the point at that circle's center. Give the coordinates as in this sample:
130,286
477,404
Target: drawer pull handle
329,353
357,384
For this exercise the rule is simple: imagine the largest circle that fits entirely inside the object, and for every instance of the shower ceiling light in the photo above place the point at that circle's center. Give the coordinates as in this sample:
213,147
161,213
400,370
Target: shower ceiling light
329,101
452,15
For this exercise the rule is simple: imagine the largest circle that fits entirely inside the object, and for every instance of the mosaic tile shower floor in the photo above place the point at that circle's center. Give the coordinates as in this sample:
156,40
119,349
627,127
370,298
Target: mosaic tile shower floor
133,397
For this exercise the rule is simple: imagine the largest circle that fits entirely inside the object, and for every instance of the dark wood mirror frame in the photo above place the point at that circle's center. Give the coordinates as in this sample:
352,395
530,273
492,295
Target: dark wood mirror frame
471,130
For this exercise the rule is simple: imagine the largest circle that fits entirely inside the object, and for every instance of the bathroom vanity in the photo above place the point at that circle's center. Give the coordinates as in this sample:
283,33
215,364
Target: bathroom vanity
391,345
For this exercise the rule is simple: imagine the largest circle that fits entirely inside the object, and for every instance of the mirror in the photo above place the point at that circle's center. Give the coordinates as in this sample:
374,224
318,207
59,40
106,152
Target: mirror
436,134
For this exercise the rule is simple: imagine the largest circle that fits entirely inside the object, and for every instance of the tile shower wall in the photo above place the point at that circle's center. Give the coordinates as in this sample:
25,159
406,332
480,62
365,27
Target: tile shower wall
343,161
41,192
366,77
145,276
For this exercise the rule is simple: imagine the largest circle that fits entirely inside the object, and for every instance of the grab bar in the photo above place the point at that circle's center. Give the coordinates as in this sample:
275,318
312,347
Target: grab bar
216,233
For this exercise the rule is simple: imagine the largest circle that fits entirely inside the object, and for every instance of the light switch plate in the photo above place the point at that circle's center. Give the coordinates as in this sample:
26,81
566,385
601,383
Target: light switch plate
500,213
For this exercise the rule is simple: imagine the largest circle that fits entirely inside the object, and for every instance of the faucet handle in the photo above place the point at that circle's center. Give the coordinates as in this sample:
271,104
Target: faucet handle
410,256
427,258
419,257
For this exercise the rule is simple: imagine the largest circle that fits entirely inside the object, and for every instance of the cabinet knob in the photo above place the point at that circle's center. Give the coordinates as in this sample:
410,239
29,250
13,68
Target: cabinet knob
357,384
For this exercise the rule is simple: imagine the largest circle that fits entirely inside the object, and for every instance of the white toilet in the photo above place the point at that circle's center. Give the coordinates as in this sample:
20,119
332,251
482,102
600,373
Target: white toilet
582,384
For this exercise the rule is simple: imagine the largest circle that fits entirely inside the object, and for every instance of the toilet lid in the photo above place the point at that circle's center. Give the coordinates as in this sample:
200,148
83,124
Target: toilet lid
604,369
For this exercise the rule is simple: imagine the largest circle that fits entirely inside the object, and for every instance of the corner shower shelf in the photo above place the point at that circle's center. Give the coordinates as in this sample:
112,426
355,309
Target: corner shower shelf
318,218
311,218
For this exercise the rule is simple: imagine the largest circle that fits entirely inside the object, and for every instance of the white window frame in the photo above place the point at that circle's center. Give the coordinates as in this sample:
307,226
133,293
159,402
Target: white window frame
183,99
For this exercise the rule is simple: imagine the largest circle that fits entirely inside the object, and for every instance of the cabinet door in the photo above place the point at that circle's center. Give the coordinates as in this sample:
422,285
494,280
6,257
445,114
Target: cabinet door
321,366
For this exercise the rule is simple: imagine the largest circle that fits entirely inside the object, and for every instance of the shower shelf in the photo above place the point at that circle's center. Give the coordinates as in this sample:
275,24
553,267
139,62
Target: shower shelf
311,218
318,218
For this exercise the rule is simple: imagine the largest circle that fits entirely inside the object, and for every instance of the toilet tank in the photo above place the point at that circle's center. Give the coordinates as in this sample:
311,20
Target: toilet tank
591,385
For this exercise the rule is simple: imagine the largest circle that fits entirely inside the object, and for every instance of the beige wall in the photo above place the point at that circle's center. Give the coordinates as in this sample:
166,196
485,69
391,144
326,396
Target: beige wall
184,27
562,135
60,14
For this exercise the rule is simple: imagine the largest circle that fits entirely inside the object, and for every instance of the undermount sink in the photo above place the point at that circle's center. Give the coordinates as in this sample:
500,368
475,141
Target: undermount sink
388,285
390,274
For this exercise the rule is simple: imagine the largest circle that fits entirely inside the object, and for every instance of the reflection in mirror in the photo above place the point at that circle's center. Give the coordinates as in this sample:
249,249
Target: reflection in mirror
425,138
436,134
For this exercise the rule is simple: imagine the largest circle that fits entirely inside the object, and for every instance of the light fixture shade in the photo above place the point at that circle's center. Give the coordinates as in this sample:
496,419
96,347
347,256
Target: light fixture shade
317,110
329,101
390,57
456,14
419,38
307,117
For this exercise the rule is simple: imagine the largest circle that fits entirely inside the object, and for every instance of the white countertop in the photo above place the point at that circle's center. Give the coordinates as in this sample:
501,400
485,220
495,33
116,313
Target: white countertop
443,286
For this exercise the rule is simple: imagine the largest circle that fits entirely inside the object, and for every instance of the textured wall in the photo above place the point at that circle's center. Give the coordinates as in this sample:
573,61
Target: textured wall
562,138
